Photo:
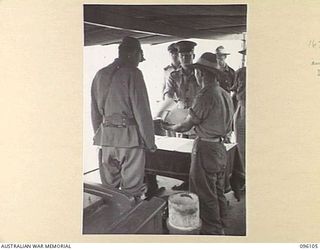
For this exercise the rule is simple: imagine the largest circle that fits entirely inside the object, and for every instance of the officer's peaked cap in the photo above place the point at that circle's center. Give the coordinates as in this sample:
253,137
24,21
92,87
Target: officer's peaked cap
185,46
172,48
130,43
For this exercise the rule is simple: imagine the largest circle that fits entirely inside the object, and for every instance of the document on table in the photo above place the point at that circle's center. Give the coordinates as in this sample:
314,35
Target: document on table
182,145
174,144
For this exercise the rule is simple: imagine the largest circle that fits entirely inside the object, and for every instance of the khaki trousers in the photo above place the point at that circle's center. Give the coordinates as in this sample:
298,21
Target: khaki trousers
207,175
124,168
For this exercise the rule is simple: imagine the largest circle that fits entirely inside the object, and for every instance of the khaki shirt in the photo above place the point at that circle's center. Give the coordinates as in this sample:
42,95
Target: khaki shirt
212,112
181,86
240,85
120,89
167,71
226,78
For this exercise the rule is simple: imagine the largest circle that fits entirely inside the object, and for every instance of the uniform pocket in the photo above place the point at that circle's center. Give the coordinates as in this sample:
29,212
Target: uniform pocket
213,156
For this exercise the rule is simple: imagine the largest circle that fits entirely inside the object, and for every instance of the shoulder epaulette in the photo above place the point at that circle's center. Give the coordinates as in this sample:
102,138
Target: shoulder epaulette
175,72
167,67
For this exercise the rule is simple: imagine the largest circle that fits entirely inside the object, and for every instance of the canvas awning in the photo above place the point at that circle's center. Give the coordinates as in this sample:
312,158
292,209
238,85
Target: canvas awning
154,24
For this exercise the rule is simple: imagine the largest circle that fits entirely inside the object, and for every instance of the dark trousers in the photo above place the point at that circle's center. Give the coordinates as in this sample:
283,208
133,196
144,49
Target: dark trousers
207,176
240,131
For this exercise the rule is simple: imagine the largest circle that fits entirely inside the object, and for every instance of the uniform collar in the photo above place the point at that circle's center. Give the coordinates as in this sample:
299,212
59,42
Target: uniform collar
226,68
175,67
183,72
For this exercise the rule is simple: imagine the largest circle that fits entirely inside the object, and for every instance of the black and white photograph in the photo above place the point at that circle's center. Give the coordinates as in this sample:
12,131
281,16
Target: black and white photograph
134,123
164,123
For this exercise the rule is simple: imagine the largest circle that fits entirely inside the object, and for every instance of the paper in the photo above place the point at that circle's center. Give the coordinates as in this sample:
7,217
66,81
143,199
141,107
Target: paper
171,113
173,143
176,115
181,145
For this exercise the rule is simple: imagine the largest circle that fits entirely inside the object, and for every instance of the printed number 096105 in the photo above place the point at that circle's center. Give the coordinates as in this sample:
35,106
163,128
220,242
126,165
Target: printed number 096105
314,246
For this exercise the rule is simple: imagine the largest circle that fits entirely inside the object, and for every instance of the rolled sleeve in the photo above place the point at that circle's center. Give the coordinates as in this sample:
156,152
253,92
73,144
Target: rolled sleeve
195,119
199,110
169,89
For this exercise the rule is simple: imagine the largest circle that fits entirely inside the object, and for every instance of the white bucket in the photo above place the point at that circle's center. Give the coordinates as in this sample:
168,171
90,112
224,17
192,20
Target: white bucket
184,213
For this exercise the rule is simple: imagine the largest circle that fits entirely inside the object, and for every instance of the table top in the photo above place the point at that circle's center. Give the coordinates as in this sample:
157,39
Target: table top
182,145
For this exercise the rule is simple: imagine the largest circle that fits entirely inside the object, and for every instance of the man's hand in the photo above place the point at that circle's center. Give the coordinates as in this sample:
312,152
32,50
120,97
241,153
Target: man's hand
167,126
165,105
185,126
153,149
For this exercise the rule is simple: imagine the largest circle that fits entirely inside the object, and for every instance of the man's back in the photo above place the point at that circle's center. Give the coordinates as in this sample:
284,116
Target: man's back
119,92
214,109
122,121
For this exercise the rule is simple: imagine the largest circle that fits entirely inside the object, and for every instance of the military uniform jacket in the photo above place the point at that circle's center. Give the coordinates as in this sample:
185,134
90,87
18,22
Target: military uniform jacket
182,87
240,85
212,112
226,78
120,89
167,71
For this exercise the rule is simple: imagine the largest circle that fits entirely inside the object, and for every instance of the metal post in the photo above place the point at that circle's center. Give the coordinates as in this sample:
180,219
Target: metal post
243,47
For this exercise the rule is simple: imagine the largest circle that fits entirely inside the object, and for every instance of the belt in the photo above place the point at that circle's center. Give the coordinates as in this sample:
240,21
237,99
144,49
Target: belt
216,139
118,122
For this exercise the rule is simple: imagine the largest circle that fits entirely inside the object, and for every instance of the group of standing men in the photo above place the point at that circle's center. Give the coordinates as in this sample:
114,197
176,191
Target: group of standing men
123,123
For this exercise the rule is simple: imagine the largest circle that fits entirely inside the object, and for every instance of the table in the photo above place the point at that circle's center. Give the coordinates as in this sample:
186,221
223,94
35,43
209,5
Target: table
173,158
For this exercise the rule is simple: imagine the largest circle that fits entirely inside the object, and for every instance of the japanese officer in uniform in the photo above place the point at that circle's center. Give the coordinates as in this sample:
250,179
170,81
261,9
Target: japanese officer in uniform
122,120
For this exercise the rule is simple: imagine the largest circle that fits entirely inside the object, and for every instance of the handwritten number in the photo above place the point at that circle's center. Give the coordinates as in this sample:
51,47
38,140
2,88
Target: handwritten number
314,44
